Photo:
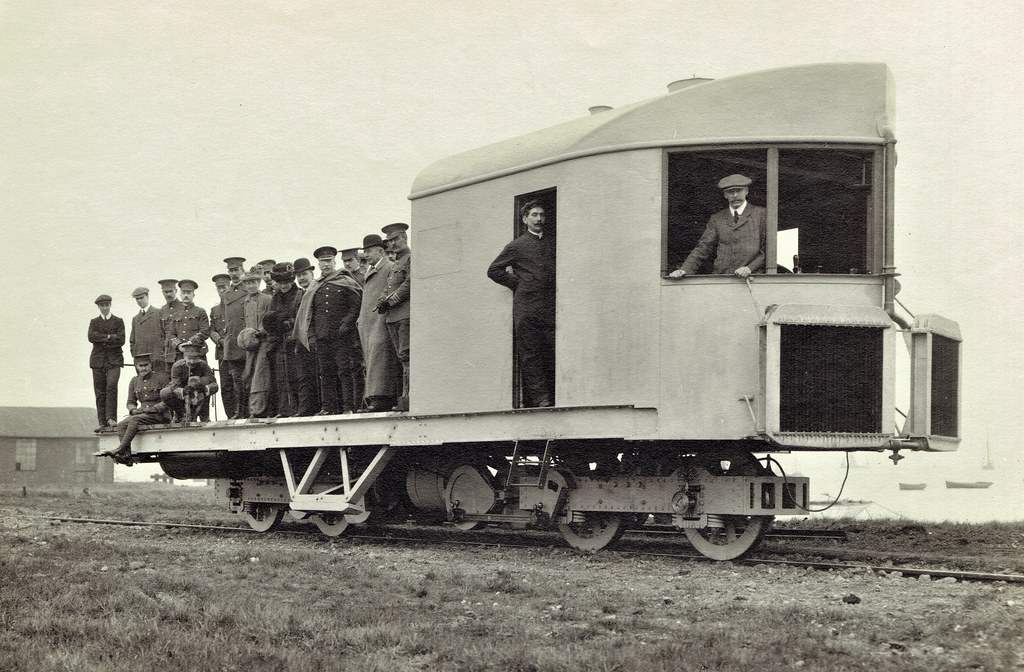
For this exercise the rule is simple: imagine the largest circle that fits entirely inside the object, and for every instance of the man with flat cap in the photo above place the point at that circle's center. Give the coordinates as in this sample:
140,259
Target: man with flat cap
147,333
166,354
106,333
233,321
383,370
265,267
395,302
734,237
257,372
191,384
293,389
144,407
527,267
222,282
350,259
326,320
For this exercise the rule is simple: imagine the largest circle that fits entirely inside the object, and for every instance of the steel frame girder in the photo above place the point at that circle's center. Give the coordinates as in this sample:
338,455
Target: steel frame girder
350,499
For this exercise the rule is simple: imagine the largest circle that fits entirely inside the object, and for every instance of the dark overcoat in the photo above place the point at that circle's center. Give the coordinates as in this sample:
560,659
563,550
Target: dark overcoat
731,243
147,334
233,301
382,366
107,338
532,279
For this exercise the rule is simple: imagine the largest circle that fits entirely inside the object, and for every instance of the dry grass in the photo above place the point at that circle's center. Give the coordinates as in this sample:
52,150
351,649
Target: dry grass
88,597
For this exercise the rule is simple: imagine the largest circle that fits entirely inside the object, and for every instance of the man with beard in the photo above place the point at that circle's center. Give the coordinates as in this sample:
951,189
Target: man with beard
382,365
147,335
293,390
222,281
233,321
106,333
326,321
166,354
395,303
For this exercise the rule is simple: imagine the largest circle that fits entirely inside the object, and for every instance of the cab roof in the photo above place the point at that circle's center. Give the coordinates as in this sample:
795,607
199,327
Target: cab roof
825,102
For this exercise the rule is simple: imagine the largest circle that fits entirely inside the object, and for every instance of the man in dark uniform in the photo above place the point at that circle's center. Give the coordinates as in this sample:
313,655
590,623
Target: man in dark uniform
383,370
233,300
734,237
294,391
144,407
147,333
265,268
395,302
191,325
350,259
327,320
191,384
222,281
527,267
165,356
106,333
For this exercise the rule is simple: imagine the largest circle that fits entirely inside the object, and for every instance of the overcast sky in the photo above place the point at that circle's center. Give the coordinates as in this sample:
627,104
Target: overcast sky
143,140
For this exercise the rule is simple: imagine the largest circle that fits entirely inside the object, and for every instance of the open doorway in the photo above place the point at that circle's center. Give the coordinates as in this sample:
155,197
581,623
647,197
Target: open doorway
521,396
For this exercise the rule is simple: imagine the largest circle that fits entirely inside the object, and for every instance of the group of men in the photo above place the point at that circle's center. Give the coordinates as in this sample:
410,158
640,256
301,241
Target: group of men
299,345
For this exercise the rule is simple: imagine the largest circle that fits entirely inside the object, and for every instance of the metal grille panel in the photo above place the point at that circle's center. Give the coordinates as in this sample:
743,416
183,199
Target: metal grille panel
830,379
945,386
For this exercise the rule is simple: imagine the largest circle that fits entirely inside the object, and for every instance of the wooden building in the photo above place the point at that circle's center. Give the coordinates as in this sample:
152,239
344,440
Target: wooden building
50,445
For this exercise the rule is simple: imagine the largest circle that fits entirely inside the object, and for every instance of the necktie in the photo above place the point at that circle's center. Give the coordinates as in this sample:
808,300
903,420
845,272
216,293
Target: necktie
735,216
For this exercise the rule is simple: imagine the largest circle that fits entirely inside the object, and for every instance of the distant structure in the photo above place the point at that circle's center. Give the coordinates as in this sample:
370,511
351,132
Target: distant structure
50,445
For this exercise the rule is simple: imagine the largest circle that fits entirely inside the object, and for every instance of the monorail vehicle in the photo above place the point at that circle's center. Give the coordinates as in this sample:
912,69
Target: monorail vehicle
665,389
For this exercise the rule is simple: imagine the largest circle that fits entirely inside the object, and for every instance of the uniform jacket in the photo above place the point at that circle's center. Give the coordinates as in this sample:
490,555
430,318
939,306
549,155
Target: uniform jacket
144,392
168,313
533,278
107,338
147,334
217,329
182,370
328,308
731,244
382,366
233,322
398,286
190,323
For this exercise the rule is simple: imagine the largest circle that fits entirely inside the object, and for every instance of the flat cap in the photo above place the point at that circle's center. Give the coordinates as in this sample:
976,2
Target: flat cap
189,346
325,252
734,181
253,275
142,357
221,277
234,262
140,291
302,264
392,230
188,284
268,263
102,298
372,240
166,284
350,253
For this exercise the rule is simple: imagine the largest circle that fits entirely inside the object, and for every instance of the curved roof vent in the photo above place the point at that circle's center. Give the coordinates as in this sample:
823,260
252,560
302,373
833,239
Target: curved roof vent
681,84
597,109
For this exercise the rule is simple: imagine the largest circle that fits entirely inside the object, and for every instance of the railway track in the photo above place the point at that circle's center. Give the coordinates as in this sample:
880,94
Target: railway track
390,536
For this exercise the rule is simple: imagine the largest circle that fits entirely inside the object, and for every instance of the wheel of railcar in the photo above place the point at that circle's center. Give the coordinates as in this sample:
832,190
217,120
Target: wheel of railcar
595,532
332,525
738,536
263,517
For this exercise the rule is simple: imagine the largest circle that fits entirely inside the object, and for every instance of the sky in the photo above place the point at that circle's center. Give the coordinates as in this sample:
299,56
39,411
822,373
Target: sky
145,140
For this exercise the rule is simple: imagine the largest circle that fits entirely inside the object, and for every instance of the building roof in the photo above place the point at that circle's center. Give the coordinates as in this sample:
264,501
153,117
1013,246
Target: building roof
825,102
39,422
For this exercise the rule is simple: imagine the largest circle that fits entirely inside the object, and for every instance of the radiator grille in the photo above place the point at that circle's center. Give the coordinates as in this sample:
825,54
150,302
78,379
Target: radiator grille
830,379
945,386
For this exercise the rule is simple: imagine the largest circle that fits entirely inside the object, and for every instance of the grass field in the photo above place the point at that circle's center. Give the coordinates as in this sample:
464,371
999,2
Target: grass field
85,597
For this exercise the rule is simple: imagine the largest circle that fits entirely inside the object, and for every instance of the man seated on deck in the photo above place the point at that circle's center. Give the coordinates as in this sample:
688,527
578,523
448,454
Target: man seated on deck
734,236
191,384
144,407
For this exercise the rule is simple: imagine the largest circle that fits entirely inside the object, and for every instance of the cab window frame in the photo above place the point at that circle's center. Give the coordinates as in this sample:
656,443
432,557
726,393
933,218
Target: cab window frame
874,226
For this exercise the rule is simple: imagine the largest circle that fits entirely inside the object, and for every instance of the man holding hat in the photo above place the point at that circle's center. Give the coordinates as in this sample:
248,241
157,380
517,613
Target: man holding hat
350,259
147,334
326,322
233,321
222,281
293,386
167,353
734,237
191,384
395,302
144,407
106,333
252,338
383,370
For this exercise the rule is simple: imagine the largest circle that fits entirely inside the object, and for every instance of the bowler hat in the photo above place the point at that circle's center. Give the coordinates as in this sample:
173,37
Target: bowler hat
102,298
372,240
140,291
325,252
734,181
302,264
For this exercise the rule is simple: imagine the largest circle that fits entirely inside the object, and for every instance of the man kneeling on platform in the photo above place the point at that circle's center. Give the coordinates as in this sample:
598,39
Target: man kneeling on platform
144,407
191,384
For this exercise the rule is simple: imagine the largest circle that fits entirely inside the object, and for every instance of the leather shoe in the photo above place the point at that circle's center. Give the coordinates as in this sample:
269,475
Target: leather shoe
323,411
